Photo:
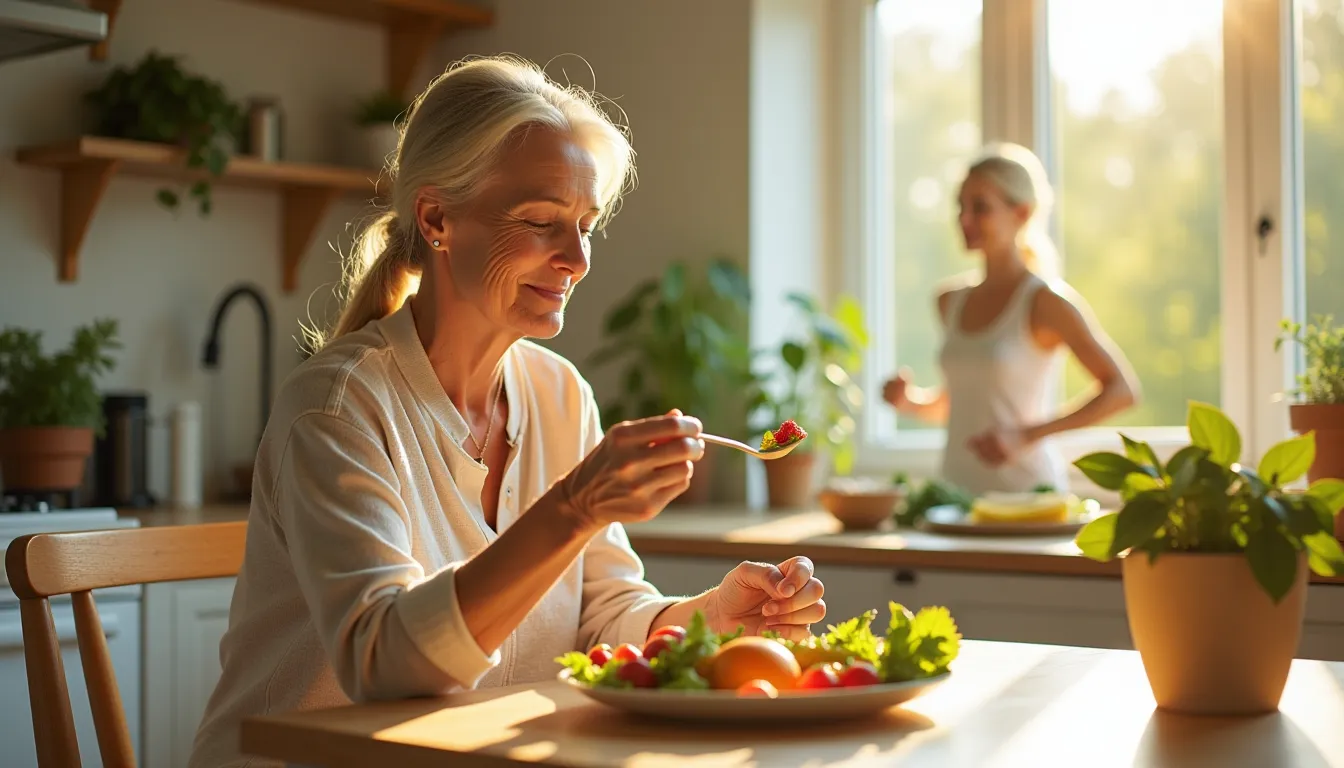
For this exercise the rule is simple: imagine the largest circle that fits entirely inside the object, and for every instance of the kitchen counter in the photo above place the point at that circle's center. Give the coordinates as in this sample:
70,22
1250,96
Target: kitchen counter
1006,704
208,513
736,533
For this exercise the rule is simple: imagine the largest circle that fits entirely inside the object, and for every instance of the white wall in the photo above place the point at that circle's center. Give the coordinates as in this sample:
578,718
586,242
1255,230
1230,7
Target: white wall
159,274
681,72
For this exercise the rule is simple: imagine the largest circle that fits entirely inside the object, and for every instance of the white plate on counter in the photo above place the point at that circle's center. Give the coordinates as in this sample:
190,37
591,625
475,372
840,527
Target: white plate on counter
950,518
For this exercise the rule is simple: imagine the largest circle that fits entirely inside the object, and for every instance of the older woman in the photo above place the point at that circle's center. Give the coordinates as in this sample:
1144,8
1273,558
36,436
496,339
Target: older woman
435,504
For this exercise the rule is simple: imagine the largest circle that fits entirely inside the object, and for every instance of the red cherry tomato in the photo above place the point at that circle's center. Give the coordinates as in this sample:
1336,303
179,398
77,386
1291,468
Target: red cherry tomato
672,630
758,688
820,677
638,673
859,673
657,645
600,654
627,652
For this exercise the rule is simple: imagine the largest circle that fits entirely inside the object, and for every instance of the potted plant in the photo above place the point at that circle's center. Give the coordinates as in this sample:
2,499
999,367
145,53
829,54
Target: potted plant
157,101
1216,571
681,340
811,382
50,409
1321,396
378,117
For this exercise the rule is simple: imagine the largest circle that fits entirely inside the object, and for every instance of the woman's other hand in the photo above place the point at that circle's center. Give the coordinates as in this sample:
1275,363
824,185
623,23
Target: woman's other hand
897,390
997,446
635,471
758,596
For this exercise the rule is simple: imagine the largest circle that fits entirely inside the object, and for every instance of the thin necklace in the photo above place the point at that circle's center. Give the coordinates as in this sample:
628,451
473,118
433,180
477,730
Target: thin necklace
489,425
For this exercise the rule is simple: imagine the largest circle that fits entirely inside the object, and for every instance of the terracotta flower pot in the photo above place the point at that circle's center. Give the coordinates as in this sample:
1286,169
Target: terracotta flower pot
1328,423
788,480
44,458
1212,641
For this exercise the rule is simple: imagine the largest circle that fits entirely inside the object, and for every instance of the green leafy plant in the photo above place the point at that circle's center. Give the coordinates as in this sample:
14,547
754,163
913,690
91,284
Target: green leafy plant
1203,500
1323,347
55,390
681,340
157,101
812,381
379,108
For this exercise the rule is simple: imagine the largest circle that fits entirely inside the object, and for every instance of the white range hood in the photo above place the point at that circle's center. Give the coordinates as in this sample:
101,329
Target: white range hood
32,27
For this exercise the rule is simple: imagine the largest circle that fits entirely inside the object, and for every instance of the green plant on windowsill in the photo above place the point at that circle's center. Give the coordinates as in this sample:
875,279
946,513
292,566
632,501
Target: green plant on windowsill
1322,383
812,379
1203,500
682,342
157,101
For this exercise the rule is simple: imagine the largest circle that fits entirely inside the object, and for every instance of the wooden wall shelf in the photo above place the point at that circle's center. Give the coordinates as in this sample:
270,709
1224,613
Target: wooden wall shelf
88,163
411,26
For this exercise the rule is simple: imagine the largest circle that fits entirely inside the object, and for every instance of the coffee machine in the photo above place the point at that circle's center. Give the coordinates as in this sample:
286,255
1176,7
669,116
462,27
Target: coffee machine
121,455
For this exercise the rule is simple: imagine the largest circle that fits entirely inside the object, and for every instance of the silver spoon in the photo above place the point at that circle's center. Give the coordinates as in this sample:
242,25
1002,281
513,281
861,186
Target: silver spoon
773,453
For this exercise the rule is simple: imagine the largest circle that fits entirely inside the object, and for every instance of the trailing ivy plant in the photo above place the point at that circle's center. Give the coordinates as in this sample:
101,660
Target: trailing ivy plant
56,390
157,101
1203,500
1323,346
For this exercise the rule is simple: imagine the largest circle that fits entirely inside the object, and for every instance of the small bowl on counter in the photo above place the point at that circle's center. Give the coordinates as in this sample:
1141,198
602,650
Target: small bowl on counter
859,504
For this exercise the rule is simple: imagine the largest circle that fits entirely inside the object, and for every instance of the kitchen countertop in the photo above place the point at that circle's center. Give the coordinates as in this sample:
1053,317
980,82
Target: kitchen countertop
1006,704
733,532
738,533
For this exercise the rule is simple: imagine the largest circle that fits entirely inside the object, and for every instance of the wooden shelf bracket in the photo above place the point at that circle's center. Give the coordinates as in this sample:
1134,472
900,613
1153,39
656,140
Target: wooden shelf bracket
82,187
98,51
301,213
409,40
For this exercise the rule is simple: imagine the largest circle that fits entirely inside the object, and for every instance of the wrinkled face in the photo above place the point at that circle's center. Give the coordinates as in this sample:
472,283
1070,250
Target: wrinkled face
989,222
522,245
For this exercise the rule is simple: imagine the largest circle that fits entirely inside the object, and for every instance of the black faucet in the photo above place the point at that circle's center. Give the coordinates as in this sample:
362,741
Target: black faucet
211,359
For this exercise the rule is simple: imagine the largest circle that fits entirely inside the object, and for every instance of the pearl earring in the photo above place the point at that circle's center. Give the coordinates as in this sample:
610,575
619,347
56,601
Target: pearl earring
436,243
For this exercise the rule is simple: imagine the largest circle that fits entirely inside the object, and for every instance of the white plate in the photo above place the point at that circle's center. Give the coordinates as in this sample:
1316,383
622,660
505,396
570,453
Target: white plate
811,706
950,518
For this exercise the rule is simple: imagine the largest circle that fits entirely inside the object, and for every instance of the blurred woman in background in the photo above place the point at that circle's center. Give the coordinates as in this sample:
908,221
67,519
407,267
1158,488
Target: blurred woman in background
1004,335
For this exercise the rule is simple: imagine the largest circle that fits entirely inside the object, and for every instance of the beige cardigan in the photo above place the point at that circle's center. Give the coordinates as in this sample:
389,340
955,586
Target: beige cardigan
363,507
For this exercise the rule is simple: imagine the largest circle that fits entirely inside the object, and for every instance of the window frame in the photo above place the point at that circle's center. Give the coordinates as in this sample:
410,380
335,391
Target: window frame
1262,159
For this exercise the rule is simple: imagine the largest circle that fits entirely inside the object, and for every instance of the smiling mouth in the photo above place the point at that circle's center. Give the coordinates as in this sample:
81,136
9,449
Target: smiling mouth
551,294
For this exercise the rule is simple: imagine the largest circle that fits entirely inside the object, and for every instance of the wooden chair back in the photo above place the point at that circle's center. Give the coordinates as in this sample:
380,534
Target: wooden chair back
43,565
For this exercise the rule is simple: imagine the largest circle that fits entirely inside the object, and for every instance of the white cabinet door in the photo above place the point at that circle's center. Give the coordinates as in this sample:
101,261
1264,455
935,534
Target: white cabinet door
184,622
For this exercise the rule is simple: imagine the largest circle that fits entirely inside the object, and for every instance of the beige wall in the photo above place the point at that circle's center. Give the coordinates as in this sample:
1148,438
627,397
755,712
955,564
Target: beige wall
157,273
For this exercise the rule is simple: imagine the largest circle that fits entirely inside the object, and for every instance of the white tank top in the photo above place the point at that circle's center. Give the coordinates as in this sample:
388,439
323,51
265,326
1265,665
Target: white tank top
998,376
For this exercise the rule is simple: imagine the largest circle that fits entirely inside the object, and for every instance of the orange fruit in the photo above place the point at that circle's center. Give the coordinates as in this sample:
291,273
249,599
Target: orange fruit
746,659
758,688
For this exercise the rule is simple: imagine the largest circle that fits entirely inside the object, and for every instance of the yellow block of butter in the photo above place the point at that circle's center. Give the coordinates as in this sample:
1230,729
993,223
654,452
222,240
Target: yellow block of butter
1021,508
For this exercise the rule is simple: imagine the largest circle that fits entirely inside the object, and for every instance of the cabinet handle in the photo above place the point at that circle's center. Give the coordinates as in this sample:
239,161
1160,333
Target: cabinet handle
11,633
904,577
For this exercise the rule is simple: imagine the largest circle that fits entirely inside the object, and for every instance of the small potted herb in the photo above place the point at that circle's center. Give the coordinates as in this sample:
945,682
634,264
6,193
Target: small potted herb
158,101
50,408
812,383
379,118
1218,552
1320,395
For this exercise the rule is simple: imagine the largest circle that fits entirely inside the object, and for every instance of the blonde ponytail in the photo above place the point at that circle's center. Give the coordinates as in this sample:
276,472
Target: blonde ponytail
448,145
1020,176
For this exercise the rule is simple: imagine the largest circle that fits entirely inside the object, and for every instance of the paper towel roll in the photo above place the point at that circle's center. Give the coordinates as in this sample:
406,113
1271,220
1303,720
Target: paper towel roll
186,452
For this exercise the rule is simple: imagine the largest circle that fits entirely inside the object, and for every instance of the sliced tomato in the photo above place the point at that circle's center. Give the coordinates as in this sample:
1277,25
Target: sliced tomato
638,673
820,677
758,688
627,652
600,654
859,673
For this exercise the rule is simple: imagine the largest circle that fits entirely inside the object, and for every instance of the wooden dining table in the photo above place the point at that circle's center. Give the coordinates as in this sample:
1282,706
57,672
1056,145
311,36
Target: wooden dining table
1005,704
